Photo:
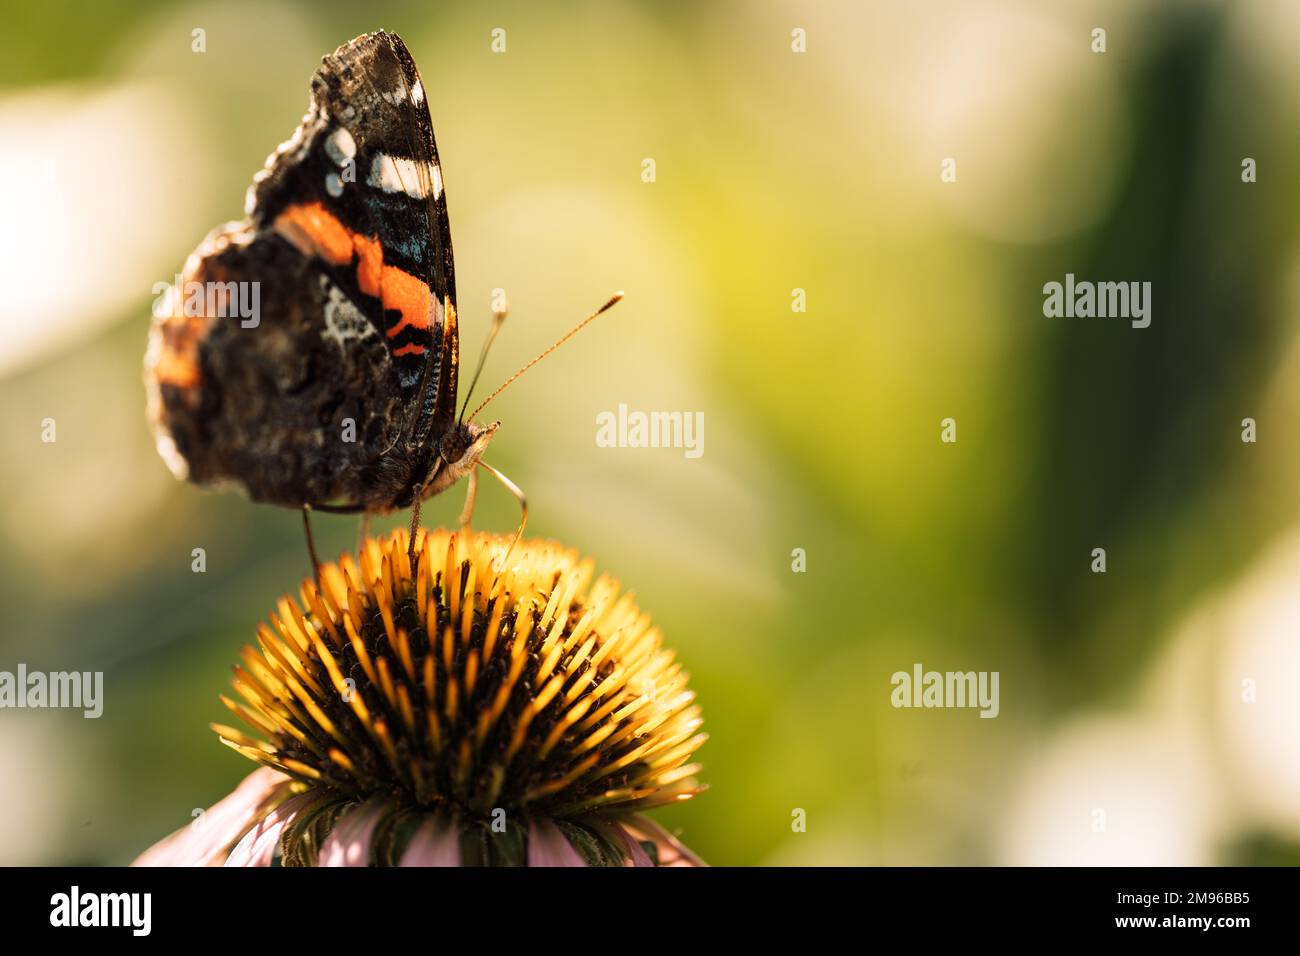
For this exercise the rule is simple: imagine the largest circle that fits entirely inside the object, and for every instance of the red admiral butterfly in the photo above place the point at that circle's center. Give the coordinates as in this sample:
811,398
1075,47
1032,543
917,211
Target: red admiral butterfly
337,392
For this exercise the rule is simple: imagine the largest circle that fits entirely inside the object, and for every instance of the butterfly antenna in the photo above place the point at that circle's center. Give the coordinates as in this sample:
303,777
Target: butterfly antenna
498,319
613,300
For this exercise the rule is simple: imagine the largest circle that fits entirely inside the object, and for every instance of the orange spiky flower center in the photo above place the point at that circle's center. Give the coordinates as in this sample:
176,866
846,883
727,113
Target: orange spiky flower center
459,686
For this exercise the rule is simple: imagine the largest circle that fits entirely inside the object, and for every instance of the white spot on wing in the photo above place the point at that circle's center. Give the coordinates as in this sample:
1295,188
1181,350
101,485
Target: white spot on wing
417,93
344,322
333,185
171,455
340,146
401,175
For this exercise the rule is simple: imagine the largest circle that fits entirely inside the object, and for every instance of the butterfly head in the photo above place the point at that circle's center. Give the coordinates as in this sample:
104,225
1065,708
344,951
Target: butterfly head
460,450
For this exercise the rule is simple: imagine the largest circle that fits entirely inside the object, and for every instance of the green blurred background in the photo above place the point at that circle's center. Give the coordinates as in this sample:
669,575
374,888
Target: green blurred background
1150,714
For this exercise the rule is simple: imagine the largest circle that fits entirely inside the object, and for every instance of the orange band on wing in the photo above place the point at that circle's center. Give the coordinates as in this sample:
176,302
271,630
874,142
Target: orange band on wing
176,368
370,265
314,230
177,360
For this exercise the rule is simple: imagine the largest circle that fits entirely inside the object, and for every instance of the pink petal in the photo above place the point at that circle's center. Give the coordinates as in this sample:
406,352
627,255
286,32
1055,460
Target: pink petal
257,848
349,843
205,842
637,855
671,851
434,844
547,846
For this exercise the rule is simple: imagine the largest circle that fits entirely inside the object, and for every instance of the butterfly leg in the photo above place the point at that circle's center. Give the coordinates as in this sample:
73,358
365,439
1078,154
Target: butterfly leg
363,530
311,542
523,508
415,524
470,493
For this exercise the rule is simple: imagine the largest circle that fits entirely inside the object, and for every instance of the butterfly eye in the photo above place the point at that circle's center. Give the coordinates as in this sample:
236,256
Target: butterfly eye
453,445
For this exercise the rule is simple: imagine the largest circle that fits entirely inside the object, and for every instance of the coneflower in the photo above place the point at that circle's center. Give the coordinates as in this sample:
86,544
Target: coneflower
453,714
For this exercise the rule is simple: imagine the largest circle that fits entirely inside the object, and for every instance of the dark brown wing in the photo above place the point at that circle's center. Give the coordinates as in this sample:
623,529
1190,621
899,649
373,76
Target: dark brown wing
262,374
365,156
349,241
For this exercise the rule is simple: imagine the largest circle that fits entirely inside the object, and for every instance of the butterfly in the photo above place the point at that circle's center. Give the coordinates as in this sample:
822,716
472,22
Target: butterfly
308,354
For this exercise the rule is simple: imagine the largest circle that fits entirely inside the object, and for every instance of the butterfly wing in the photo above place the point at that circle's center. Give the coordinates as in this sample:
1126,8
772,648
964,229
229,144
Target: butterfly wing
332,393
377,176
